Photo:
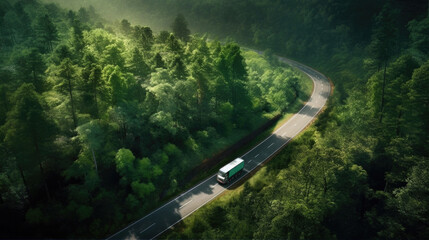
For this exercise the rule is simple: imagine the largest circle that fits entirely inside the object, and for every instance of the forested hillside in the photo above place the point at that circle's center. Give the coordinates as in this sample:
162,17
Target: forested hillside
101,121
362,171
100,118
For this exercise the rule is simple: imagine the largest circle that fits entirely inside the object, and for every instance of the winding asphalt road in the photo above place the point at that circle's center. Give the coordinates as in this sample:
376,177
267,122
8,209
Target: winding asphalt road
161,219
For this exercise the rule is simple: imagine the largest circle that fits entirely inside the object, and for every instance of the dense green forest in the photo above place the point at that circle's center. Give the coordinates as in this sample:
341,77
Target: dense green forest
101,121
362,171
99,118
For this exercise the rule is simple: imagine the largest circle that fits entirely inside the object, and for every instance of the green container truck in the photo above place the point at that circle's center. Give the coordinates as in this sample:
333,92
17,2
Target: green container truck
230,171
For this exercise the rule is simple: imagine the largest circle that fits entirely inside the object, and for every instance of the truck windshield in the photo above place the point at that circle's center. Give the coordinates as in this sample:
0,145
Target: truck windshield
222,174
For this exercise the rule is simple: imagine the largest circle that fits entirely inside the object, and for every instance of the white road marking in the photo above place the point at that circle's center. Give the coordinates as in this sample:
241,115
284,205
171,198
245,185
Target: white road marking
148,227
257,155
270,145
184,204
250,161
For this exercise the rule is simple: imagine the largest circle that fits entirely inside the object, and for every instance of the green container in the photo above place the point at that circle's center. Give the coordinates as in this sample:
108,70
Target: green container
237,168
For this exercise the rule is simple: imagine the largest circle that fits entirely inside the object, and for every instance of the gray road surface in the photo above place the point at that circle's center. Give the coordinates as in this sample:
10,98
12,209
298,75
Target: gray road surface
161,219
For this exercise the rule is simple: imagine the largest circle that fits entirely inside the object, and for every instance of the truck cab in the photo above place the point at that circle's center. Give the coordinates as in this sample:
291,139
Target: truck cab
222,177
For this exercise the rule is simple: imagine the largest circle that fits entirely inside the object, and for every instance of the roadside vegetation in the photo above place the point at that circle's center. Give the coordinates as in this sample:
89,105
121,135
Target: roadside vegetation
101,121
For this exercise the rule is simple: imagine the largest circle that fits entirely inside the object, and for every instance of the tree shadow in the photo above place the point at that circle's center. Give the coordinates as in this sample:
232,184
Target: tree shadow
325,94
310,111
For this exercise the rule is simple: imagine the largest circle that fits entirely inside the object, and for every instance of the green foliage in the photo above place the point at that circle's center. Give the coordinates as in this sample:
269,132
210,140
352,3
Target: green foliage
116,82
385,35
180,28
112,56
46,32
142,190
418,87
91,134
66,84
136,174
158,62
411,201
125,27
419,38
137,64
93,88
77,36
173,44
30,67
163,36
124,162
144,36
28,125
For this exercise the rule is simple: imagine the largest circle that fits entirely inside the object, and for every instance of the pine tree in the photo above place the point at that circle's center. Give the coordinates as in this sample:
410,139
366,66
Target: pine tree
27,133
382,45
180,28
46,32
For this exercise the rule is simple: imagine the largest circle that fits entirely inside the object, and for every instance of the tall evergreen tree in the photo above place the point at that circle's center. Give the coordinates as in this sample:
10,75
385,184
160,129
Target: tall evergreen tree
400,72
28,131
419,36
66,82
46,32
126,27
419,105
180,28
137,65
382,45
158,61
31,67
77,36
144,36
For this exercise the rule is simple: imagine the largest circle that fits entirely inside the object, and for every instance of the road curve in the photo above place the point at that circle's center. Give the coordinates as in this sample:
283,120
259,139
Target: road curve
161,219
